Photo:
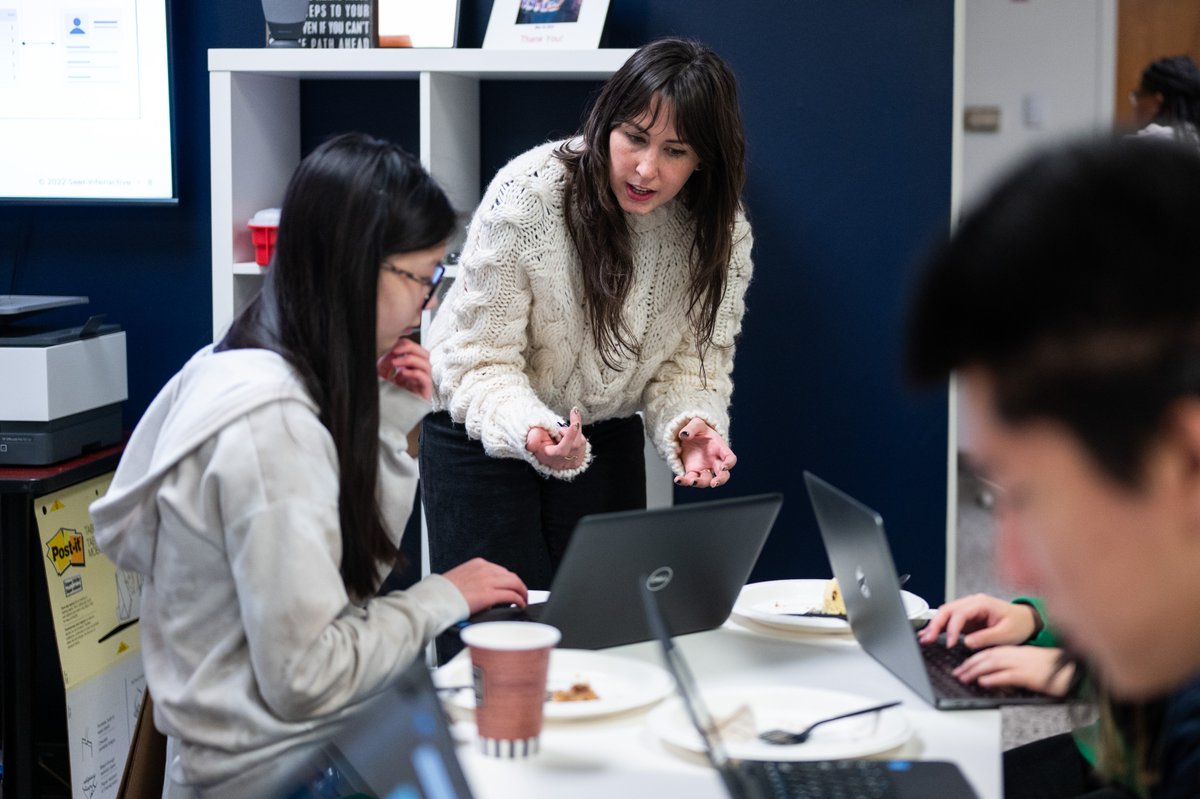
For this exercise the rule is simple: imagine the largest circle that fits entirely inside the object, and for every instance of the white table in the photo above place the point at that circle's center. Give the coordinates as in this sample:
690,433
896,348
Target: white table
619,756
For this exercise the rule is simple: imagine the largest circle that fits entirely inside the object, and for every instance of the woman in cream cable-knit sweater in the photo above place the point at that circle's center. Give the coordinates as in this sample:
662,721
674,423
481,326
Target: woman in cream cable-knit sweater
602,276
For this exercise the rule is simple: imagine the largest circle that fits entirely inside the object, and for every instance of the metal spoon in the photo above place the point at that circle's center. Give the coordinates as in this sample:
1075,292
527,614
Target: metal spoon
785,737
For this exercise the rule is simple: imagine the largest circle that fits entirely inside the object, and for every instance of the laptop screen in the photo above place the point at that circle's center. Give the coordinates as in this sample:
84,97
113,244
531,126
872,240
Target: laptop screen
397,747
862,562
699,554
689,694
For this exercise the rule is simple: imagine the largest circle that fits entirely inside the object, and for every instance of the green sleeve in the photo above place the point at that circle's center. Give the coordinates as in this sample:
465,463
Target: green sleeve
1044,636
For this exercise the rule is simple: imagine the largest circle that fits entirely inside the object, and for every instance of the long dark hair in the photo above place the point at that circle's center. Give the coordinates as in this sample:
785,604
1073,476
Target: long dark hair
1177,80
1126,736
351,203
699,88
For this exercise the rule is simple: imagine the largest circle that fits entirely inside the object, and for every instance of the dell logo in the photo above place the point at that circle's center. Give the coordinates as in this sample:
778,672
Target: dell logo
660,578
861,578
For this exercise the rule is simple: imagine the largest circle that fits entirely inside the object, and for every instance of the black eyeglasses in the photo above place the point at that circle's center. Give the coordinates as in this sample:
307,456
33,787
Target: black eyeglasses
430,282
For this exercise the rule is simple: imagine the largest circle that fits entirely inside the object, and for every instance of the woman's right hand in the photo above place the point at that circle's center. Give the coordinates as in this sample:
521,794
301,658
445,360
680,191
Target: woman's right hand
987,620
407,365
564,453
485,584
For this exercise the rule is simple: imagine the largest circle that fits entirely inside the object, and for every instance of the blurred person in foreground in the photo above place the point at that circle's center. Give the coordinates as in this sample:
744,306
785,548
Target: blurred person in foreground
1068,305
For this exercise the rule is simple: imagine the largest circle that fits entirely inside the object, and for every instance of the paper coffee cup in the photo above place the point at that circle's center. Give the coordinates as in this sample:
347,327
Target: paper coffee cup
509,663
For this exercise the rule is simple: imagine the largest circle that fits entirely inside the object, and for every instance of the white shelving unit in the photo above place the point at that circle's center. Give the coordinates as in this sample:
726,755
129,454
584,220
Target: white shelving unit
255,129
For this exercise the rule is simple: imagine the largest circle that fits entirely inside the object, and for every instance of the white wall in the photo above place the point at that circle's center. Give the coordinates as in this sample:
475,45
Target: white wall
1054,58
1057,55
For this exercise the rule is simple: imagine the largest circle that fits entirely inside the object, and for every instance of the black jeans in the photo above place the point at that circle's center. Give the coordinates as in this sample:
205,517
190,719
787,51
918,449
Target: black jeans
503,510
1052,768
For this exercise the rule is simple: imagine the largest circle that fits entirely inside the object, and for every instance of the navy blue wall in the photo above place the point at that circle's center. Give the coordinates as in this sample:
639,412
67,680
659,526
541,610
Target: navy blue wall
848,114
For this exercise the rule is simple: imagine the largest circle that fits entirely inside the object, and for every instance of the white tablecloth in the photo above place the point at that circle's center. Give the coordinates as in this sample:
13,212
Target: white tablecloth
619,756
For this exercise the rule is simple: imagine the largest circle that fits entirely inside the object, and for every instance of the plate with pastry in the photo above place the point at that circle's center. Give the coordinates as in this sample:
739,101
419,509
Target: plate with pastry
808,606
581,684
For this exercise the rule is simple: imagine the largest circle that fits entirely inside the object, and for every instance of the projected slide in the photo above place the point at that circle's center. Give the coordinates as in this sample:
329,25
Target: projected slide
84,100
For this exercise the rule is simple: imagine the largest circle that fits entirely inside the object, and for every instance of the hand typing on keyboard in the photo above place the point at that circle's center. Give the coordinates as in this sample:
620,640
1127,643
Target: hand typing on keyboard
1036,668
1001,633
986,620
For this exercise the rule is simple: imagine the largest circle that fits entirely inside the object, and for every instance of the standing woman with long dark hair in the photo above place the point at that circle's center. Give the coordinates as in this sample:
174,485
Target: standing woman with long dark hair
603,279
263,494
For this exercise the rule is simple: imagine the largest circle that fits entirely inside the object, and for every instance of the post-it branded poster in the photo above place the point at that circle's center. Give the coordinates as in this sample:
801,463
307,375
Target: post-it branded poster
95,608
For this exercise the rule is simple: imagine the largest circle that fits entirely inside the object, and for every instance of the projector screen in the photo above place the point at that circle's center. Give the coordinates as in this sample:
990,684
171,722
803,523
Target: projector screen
85,102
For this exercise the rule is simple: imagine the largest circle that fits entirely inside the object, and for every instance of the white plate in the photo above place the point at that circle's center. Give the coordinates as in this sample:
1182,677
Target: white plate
768,603
791,709
620,683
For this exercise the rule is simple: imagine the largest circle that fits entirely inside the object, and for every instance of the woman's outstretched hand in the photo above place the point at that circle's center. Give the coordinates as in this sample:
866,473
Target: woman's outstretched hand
706,457
563,453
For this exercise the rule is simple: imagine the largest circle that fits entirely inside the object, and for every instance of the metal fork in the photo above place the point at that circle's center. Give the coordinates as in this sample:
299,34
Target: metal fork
785,737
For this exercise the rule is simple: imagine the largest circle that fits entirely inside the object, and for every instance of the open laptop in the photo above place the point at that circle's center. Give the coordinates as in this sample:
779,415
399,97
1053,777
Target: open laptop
862,563
398,747
698,555
805,779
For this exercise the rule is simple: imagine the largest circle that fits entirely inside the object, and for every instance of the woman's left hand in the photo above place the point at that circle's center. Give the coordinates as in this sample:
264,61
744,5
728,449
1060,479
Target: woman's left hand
407,365
706,457
1036,668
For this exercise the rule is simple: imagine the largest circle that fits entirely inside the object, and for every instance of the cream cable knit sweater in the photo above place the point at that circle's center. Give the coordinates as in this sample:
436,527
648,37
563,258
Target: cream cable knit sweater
511,345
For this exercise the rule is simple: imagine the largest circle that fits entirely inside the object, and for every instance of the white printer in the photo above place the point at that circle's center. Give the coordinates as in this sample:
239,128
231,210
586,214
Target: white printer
62,388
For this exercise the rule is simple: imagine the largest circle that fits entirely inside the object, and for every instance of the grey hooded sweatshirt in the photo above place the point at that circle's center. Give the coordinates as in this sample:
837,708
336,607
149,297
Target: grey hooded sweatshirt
226,499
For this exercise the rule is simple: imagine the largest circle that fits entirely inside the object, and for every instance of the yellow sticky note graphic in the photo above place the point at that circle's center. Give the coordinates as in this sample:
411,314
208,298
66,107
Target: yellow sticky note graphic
65,549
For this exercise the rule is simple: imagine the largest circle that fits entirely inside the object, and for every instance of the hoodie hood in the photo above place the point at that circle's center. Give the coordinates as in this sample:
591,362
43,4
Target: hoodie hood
212,389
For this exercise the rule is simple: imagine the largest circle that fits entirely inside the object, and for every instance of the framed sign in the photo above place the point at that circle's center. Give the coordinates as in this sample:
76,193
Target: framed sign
416,23
545,24
337,24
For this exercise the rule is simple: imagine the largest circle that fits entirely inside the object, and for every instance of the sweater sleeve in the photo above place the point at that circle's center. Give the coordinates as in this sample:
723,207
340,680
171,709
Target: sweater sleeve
479,365
684,387
1046,635
399,412
312,649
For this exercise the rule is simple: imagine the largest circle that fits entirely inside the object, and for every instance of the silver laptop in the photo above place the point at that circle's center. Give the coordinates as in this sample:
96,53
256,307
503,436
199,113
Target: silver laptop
810,779
862,563
699,555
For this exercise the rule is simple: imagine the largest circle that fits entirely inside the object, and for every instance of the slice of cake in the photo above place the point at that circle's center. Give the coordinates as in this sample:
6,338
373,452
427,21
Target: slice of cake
832,602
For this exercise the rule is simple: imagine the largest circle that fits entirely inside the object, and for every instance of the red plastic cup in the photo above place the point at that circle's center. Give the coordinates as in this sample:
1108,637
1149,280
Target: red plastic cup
263,238
264,226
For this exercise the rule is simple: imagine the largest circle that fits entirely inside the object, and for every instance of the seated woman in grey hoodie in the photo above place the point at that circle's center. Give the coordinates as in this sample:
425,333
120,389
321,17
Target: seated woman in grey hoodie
264,492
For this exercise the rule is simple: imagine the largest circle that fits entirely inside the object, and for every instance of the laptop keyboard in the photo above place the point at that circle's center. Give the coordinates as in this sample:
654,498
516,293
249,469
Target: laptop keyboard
822,779
940,662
